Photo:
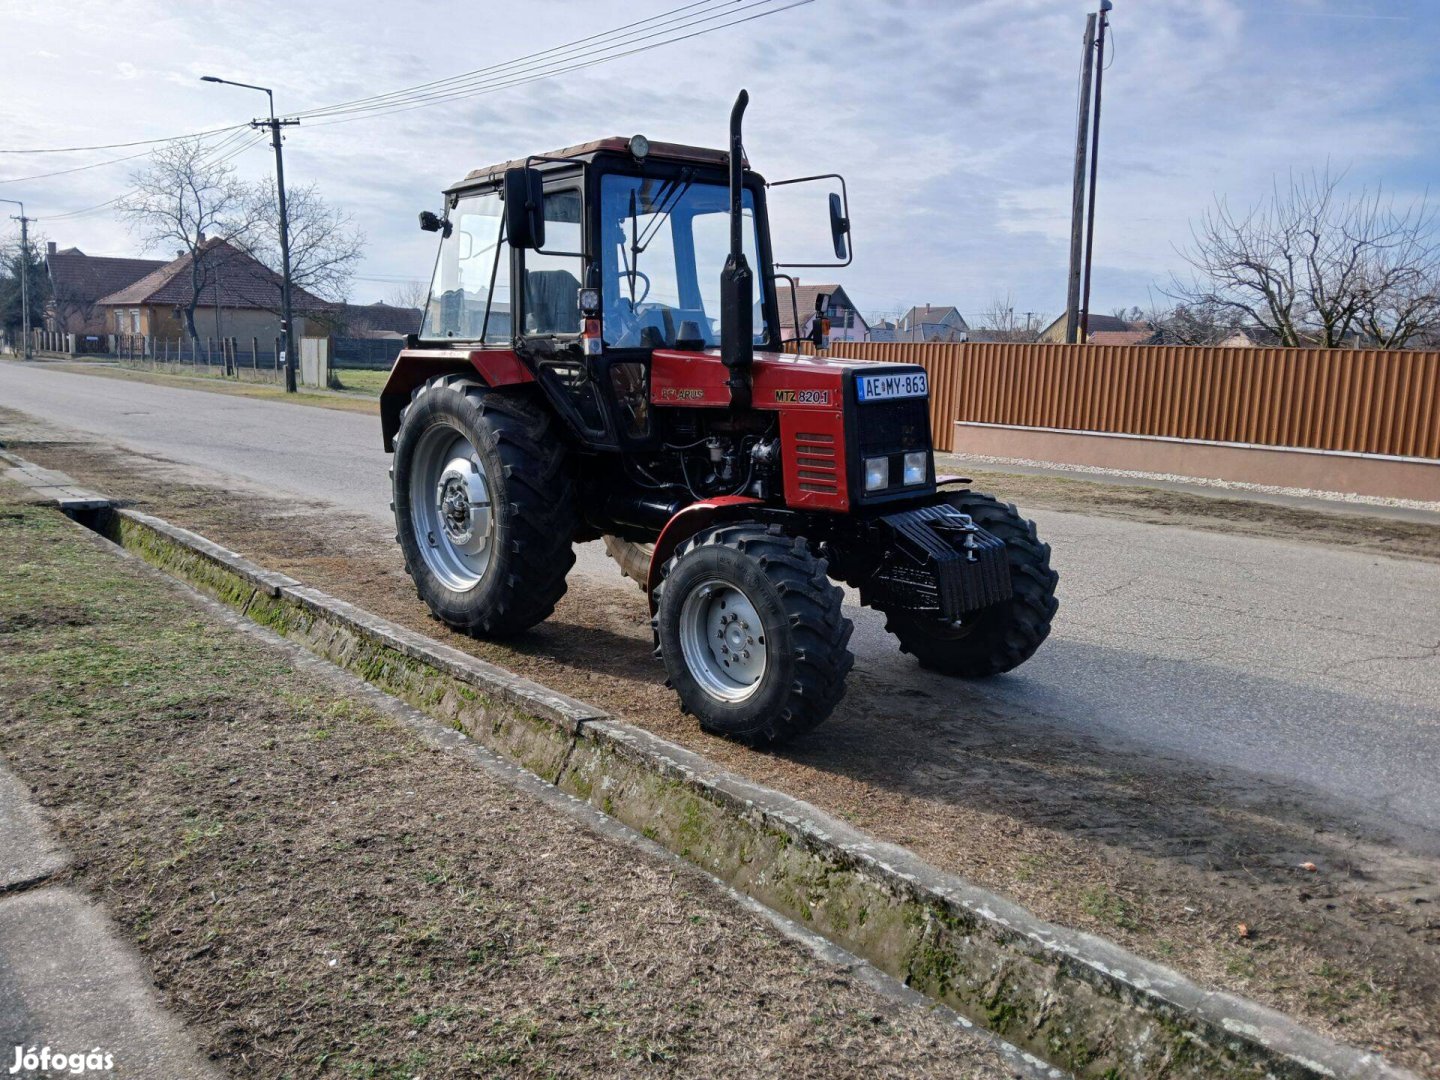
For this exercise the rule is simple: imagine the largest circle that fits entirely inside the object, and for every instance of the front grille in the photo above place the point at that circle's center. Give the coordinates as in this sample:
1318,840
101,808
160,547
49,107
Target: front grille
815,467
893,427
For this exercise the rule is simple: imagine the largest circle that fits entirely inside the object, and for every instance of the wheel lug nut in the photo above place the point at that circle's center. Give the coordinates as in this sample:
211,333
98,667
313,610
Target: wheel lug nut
745,655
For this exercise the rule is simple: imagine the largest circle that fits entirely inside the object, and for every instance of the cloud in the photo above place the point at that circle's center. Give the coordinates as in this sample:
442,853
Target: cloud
953,123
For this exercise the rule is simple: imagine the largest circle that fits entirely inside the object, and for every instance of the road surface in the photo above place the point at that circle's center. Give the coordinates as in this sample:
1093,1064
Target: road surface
1263,658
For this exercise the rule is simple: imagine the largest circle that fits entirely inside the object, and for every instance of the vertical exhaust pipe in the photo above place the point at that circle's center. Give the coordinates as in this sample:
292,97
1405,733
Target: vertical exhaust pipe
737,281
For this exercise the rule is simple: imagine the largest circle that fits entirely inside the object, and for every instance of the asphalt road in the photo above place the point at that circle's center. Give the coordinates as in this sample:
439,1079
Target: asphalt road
1270,659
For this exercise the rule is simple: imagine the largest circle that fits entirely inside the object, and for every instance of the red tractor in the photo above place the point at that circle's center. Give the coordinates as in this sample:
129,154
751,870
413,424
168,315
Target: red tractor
598,359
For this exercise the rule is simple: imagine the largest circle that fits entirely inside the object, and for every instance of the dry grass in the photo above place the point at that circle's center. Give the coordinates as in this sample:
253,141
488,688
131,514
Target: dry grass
319,894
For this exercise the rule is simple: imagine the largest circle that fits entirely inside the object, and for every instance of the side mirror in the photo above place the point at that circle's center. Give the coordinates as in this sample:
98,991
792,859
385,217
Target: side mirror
430,223
524,208
839,226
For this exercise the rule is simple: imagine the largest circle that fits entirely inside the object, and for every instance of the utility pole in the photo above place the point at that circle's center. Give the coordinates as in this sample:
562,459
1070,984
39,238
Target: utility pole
1077,199
24,276
1094,167
286,323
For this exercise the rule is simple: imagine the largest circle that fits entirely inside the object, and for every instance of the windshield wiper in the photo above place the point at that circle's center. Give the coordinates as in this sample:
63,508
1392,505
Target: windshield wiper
669,197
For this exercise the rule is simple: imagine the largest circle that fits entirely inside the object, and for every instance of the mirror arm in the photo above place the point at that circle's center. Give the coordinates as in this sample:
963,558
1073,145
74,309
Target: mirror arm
845,202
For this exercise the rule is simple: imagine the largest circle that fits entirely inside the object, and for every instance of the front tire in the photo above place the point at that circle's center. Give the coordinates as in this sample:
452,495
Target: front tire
484,506
752,633
1005,635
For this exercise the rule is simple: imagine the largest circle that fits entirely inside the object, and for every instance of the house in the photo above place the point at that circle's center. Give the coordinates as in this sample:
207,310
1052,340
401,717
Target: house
932,324
884,330
77,283
1104,330
377,320
239,298
846,322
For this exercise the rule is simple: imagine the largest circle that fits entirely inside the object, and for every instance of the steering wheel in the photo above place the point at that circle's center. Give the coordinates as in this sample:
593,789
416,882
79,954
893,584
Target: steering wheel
632,274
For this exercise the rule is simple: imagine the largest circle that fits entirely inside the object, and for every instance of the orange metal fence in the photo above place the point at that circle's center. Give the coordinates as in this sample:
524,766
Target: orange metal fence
1377,402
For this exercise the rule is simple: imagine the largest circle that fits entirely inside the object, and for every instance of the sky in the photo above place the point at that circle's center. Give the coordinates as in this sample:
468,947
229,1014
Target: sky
952,122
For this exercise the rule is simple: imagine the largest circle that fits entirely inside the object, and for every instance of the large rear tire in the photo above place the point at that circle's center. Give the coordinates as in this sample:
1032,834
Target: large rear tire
484,506
1005,635
752,633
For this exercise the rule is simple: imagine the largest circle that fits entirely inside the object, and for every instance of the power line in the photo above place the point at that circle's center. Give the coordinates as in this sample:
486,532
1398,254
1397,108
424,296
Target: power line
521,77
126,145
665,26
377,98
235,152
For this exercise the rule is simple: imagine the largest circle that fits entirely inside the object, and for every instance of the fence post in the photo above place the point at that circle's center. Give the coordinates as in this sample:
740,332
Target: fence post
255,353
277,354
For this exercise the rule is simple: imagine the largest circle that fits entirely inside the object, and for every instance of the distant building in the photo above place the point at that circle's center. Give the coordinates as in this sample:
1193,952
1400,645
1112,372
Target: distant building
78,282
239,298
846,323
929,323
377,320
884,330
1104,330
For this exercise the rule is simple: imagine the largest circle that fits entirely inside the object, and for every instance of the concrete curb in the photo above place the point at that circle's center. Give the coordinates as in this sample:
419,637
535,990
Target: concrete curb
1075,1000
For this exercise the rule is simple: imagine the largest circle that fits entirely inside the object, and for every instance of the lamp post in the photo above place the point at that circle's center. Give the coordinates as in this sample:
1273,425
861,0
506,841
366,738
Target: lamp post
275,125
24,276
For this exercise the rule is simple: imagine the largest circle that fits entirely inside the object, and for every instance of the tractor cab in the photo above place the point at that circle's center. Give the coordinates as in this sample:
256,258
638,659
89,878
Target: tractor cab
586,261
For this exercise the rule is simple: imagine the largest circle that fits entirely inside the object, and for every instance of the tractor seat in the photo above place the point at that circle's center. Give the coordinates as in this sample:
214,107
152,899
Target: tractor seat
552,302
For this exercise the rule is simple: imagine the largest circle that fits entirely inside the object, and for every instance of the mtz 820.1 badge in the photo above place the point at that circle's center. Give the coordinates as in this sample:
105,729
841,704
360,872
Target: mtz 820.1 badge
804,397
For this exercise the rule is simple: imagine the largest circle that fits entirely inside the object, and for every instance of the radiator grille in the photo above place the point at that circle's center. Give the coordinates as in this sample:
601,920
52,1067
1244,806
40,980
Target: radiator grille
815,467
893,427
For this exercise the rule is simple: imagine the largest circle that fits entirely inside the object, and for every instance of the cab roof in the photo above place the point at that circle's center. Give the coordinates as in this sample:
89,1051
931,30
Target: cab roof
616,144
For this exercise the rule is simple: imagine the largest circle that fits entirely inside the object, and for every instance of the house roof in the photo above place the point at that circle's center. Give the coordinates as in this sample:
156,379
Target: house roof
932,316
236,280
1121,337
1096,324
380,316
805,302
84,279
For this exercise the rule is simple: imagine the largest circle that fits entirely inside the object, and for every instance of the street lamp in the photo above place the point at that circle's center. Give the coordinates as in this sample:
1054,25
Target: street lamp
275,125
24,276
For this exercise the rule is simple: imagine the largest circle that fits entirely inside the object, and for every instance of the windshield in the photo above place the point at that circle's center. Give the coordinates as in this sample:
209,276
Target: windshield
663,244
470,293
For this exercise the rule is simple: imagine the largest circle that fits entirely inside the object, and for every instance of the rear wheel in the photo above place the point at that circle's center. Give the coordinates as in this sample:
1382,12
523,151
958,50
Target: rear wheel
1005,635
632,558
484,508
752,634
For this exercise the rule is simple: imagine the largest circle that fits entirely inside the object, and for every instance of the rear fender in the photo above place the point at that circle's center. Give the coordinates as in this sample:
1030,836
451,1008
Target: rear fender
495,368
693,519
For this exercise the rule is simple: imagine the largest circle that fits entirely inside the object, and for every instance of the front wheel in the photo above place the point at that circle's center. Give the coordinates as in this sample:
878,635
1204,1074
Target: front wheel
752,633
1005,635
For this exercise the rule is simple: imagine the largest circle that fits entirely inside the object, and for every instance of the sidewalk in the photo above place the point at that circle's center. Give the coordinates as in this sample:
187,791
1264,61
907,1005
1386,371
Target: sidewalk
68,983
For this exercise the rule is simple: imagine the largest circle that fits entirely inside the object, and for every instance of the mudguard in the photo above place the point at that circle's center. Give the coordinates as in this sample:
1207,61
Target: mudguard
495,367
689,521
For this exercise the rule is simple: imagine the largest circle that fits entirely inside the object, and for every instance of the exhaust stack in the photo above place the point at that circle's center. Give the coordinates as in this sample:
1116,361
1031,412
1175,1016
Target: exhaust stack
737,281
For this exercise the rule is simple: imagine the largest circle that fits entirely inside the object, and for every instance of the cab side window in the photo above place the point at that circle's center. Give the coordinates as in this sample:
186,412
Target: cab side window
552,275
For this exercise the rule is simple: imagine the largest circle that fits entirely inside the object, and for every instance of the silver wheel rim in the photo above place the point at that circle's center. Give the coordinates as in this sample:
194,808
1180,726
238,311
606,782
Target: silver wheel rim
723,641
450,507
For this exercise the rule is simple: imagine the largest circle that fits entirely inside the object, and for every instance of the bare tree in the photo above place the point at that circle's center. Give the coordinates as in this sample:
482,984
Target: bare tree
186,199
412,294
999,321
1311,266
1194,324
325,246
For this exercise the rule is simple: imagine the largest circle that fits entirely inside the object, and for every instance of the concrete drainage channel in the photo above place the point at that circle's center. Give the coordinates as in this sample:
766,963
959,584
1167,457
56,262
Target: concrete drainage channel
1077,1001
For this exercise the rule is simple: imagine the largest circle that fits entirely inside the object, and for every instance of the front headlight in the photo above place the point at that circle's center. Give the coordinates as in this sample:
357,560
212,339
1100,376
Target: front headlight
915,469
877,473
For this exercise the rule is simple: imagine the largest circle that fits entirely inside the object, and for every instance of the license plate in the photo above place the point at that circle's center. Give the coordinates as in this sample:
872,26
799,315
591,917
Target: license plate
885,387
